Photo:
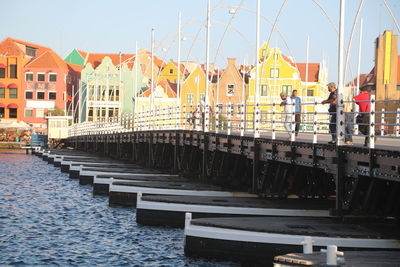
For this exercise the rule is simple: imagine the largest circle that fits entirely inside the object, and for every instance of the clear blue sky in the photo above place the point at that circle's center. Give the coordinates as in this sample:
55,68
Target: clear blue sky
105,26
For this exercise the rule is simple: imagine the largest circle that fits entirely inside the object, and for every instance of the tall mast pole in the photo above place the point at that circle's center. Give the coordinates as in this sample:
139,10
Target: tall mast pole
152,71
179,62
207,102
359,55
340,89
257,81
308,55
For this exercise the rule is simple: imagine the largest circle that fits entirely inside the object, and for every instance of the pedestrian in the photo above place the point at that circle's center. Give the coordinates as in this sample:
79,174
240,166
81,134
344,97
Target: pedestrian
287,112
332,110
297,116
363,101
349,123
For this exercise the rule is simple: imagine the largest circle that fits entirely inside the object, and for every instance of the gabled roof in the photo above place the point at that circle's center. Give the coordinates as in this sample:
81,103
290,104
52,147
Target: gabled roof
96,58
169,89
313,71
12,47
82,53
74,67
157,61
48,59
363,78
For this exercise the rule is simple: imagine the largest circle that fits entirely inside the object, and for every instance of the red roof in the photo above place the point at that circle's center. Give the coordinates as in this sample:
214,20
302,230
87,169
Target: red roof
74,67
49,59
289,60
10,47
363,79
313,71
159,62
96,58
82,53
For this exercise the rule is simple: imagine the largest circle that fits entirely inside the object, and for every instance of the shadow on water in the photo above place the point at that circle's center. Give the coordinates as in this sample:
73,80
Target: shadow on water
48,219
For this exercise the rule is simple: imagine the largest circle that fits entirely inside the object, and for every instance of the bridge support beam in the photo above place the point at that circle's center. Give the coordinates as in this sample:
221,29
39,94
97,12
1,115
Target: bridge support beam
340,177
256,159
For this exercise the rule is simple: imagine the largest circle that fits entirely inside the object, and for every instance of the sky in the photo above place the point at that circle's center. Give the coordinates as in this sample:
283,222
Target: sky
105,26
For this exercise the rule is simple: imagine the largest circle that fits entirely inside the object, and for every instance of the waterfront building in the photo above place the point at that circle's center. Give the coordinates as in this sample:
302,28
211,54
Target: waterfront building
164,103
170,72
193,91
48,84
14,54
277,74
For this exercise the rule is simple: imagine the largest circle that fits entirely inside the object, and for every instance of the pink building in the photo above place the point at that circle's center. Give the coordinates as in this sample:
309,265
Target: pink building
46,81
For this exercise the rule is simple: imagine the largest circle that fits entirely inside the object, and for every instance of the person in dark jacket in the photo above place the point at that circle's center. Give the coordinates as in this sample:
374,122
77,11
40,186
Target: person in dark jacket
332,110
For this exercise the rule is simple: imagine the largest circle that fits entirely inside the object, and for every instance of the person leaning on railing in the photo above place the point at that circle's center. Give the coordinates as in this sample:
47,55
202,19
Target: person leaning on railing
287,104
332,110
363,101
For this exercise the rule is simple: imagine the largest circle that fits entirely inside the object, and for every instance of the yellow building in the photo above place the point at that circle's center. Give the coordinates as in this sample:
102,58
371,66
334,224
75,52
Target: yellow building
277,74
165,103
193,90
170,72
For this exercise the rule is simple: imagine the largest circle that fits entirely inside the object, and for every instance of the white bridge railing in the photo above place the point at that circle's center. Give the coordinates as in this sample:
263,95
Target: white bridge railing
311,124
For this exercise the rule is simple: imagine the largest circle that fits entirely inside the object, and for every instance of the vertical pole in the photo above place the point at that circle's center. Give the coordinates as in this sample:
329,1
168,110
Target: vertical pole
152,75
339,111
358,75
308,54
217,106
372,122
207,100
340,119
382,122
229,111
257,81
315,122
397,133
178,82
73,104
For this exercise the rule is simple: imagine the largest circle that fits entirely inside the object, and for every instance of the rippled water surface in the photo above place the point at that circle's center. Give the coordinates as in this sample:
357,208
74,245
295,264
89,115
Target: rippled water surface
48,219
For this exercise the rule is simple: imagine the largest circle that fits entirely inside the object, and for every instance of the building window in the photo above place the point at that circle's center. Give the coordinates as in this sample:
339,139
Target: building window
2,72
264,90
2,92
171,71
230,90
274,73
40,77
202,98
287,89
13,113
13,71
13,93
28,113
29,76
30,51
52,95
398,87
275,56
39,113
40,95
189,99
28,95
197,79
52,77
310,92
1,112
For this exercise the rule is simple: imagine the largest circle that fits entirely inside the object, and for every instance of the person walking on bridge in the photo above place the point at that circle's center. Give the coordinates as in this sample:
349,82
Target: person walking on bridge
297,117
332,110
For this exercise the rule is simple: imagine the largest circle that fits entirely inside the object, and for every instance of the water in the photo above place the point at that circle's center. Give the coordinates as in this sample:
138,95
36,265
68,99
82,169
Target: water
48,219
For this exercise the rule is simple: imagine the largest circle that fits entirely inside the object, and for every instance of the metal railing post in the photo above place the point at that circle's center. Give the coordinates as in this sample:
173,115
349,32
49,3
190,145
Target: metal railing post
397,131
382,122
229,115
372,122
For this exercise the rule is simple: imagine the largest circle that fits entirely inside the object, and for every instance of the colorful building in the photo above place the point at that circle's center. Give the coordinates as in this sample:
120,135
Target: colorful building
108,89
164,101
45,86
14,54
277,74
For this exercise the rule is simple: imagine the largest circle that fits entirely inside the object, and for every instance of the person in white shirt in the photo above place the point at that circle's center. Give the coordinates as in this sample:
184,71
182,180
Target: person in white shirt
287,112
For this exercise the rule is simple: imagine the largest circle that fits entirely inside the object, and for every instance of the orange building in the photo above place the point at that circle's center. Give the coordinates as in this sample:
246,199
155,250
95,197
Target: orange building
14,54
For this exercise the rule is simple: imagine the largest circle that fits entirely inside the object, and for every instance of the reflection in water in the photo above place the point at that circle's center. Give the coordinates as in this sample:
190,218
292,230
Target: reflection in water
48,219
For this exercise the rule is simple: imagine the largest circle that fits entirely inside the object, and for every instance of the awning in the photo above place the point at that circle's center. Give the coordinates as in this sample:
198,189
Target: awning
2,105
12,105
12,85
2,66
